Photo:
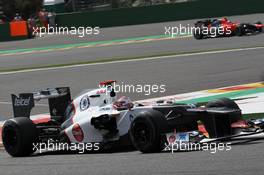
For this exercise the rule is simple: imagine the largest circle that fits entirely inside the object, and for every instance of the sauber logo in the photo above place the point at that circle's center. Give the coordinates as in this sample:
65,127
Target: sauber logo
22,101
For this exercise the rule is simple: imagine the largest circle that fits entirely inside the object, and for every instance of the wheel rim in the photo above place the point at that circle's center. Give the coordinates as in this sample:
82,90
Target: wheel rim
141,133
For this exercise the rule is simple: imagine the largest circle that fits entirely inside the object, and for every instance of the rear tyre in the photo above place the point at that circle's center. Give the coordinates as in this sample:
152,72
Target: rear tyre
198,31
18,136
197,34
146,131
240,31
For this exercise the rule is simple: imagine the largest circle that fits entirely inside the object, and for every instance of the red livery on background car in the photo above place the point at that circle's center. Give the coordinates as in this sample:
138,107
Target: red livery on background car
224,28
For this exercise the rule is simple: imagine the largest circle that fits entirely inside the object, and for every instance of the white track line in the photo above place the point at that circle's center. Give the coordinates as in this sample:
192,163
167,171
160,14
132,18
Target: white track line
134,60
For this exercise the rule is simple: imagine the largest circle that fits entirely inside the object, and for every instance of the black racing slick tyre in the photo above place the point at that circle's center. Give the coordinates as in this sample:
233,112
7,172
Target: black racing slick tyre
219,125
198,31
259,29
240,31
223,102
18,136
146,131
198,36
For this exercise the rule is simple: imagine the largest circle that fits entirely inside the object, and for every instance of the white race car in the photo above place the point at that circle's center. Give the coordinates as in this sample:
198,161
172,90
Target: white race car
97,118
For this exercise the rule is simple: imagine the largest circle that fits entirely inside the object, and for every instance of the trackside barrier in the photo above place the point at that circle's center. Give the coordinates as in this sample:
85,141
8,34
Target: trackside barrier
18,28
161,13
14,31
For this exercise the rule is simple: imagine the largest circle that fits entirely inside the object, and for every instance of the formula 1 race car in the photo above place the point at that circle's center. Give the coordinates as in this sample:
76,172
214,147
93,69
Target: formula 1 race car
224,28
96,117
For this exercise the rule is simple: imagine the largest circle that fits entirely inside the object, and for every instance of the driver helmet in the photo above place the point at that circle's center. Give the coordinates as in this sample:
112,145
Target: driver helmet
123,103
224,19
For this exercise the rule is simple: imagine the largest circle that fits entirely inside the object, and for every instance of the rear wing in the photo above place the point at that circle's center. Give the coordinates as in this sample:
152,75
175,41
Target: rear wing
58,98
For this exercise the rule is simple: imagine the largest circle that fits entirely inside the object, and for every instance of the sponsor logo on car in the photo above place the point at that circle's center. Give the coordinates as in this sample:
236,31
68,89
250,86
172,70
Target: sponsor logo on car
182,137
22,101
84,103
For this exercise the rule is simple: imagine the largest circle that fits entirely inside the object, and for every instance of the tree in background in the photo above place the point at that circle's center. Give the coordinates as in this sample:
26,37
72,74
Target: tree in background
24,7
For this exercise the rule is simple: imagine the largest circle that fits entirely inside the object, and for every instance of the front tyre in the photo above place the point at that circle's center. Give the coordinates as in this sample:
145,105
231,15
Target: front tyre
259,29
219,125
223,102
18,136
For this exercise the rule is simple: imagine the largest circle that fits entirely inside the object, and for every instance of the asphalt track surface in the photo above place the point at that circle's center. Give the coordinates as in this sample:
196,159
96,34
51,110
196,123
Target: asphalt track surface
120,51
179,74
